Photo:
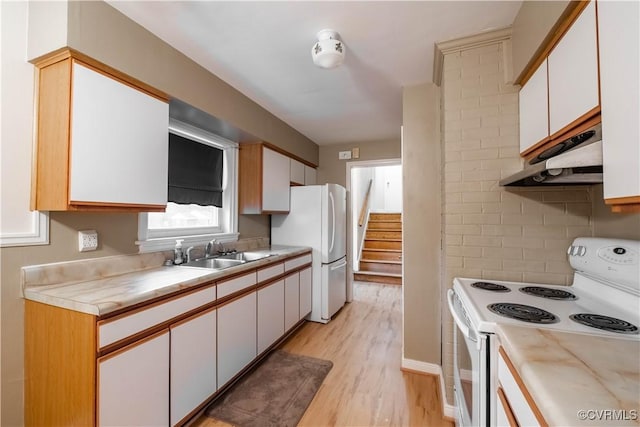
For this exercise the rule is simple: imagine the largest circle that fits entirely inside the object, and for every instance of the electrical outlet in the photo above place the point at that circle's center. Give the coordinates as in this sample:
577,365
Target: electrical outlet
344,155
87,240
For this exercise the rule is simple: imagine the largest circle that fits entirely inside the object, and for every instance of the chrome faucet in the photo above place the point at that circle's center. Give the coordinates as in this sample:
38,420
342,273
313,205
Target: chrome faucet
208,251
188,252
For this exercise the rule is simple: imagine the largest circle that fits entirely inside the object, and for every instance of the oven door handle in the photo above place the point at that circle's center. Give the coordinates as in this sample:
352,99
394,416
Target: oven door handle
456,317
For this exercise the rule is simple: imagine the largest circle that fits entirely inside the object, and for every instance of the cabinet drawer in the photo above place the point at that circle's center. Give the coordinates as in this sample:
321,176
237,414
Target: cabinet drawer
114,330
271,271
237,284
519,403
297,262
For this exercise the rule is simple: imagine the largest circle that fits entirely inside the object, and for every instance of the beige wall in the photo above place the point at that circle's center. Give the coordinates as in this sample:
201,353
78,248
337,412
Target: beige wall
102,32
493,232
532,24
117,234
614,225
421,222
333,170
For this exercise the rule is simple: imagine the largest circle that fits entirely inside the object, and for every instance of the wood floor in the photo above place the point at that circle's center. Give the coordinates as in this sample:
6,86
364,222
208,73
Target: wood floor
366,386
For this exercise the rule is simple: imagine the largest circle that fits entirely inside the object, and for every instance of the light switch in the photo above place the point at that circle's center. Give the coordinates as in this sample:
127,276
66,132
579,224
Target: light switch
344,155
87,240
355,152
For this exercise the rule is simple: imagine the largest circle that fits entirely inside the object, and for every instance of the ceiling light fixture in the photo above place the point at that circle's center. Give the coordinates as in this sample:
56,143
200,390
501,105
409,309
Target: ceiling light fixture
328,52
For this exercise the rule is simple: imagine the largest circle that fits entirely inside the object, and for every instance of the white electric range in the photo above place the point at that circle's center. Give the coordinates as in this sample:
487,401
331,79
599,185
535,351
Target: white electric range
604,299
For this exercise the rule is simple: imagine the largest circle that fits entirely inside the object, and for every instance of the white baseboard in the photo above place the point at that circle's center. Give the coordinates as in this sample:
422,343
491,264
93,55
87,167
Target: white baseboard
432,369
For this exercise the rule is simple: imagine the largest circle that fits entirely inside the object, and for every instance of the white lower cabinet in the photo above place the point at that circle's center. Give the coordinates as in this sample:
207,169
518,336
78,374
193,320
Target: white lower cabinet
193,363
291,300
133,384
305,292
236,336
270,314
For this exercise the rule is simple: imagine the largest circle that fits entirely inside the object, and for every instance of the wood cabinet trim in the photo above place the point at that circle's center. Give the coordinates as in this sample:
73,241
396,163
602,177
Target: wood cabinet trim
507,408
135,343
630,204
288,154
153,302
523,388
579,125
76,56
47,398
568,17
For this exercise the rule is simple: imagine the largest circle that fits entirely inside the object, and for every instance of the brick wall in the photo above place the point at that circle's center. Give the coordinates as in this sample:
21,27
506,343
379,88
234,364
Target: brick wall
491,232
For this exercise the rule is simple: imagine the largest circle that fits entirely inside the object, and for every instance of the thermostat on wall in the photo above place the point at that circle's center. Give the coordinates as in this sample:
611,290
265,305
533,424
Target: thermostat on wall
87,240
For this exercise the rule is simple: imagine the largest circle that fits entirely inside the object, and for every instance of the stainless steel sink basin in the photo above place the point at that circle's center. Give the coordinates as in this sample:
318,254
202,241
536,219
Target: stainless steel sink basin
214,263
225,261
246,256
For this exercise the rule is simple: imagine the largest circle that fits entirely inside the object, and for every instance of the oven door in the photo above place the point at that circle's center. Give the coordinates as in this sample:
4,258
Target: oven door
470,368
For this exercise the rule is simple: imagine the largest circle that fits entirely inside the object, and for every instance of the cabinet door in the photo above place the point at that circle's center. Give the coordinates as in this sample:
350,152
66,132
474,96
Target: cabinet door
297,172
193,364
534,109
305,292
133,384
309,175
275,181
270,314
119,144
620,88
573,72
291,300
236,336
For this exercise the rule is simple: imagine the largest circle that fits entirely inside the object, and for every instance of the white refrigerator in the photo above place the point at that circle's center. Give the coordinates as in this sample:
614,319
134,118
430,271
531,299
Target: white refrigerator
317,218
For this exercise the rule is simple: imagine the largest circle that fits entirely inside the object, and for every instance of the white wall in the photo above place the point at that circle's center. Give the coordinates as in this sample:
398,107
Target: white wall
360,177
386,194
17,224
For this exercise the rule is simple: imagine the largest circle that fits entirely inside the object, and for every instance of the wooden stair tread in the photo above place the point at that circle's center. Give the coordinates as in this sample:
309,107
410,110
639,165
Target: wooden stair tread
382,239
376,273
383,250
384,229
380,261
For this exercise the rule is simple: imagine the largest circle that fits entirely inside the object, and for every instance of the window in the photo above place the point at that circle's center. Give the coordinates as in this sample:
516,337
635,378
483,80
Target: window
196,224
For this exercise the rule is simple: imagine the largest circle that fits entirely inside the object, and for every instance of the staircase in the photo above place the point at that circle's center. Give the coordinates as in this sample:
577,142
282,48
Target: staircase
381,259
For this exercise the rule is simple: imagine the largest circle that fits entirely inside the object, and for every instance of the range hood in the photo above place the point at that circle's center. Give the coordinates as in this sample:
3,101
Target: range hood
575,161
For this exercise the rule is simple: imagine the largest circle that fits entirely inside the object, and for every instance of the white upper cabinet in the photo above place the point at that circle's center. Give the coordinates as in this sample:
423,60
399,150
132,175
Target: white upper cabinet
297,172
275,181
573,73
309,175
534,109
102,139
619,37
119,142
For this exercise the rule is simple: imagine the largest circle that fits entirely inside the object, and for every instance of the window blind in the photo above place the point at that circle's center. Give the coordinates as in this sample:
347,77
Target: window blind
195,172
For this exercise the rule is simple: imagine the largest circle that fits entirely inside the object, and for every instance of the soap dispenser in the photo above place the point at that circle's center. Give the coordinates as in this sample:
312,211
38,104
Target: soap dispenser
178,254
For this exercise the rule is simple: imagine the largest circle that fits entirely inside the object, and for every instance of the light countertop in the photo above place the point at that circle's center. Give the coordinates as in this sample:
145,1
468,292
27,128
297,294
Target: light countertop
566,373
104,285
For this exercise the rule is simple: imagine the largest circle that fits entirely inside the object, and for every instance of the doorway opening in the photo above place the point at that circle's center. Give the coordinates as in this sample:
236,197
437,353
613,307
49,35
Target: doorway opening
375,221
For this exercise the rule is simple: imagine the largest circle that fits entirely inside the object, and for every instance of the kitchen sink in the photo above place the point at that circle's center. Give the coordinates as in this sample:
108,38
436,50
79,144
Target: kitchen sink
246,256
214,263
225,261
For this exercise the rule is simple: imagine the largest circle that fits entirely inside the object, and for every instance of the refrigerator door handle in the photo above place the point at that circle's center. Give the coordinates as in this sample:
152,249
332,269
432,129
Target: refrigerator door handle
340,265
333,221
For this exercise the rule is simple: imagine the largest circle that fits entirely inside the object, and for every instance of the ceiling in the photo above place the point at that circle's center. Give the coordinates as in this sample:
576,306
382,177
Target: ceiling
263,49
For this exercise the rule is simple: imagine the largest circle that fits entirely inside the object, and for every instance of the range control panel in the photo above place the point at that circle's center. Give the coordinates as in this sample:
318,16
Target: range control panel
611,259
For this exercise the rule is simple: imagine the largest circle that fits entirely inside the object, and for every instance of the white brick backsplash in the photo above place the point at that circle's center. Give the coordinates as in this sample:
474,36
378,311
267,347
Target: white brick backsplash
491,232
470,218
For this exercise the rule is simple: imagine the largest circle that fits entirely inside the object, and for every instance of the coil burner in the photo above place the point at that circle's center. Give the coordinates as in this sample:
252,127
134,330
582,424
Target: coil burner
488,286
606,323
550,293
523,312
